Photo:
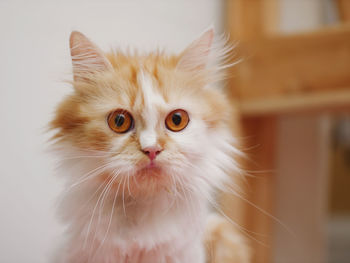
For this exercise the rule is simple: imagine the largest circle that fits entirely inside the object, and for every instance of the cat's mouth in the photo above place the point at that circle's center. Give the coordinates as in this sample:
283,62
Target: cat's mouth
150,168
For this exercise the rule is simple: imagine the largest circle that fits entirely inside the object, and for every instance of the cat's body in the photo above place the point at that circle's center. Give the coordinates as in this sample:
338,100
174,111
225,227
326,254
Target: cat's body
144,141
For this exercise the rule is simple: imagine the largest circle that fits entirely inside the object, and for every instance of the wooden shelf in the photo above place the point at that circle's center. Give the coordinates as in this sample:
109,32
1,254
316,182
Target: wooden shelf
322,101
290,67
284,73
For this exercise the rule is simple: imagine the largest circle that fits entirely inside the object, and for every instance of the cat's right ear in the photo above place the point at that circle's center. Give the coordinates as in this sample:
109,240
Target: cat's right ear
87,58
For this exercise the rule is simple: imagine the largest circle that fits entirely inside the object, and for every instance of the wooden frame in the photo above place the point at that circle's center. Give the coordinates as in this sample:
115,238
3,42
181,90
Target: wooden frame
293,71
308,72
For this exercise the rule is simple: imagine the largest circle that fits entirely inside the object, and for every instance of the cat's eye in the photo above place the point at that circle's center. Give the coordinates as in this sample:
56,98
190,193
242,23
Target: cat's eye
120,121
177,120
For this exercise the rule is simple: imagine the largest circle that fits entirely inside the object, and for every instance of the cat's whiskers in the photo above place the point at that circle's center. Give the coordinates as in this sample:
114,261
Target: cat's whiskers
200,174
187,201
92,215
192,208
95,207
243,230
233,192
193,188
174,186
123,196
174,194
188,192
135,181
94,152
90,174
105,194
177,183
129,183
73,157
93,195
111,217
228,188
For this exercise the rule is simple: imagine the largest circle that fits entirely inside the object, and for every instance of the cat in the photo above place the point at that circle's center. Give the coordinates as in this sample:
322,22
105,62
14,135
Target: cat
144,143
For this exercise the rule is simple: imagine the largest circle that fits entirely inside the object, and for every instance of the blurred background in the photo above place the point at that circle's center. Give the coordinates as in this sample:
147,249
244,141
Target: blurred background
291,92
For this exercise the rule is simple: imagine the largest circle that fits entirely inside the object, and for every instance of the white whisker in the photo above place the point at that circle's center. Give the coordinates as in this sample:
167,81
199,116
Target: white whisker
111,216
124,196
90,175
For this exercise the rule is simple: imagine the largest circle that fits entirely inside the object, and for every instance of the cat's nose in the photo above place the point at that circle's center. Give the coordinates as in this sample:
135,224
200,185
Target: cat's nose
152,152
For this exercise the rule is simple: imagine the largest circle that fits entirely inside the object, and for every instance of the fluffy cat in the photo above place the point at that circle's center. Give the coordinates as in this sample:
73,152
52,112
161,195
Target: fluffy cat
144,143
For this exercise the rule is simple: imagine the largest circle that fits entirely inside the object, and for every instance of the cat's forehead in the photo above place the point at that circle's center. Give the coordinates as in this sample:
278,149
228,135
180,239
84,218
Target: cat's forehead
144,80
147,86
149,95
141,78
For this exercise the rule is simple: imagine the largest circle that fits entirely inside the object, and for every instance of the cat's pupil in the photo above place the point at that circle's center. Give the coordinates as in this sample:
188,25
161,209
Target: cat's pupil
119,120
176,118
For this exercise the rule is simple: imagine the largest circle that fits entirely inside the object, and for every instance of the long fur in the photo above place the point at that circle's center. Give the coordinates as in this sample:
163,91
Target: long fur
115,209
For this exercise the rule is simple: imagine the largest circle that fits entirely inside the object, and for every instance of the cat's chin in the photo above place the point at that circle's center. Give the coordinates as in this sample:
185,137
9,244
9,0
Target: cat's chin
150,169
146,181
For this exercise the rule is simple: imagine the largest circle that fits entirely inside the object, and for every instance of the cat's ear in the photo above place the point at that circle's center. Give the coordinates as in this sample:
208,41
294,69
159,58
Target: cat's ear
87,58
196,55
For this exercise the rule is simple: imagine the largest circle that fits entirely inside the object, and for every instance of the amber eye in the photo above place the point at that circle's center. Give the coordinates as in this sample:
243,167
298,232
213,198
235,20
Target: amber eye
177,120
120,121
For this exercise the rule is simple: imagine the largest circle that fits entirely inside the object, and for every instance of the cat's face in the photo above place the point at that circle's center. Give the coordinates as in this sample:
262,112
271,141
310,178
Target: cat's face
150,117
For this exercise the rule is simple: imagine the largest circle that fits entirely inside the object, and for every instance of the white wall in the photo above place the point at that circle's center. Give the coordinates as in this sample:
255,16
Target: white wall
307,15
34,60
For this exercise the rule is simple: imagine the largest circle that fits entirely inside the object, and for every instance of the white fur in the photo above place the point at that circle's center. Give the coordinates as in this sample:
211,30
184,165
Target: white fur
169,226
105,226
148,136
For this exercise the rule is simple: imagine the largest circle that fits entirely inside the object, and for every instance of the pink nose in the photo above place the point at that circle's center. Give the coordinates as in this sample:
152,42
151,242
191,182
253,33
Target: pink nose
152,152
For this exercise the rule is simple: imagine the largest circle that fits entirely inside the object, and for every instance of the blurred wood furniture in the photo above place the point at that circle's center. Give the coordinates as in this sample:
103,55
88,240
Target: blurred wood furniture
282,74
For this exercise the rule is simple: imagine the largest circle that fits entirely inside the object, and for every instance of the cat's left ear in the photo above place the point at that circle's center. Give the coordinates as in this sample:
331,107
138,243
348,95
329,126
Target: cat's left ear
196,55
87,58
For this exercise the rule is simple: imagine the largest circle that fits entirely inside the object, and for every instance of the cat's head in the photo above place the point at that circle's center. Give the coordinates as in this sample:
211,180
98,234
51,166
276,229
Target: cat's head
154,119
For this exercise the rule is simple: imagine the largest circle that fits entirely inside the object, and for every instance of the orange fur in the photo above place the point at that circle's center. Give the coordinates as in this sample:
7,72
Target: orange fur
104,83
77,115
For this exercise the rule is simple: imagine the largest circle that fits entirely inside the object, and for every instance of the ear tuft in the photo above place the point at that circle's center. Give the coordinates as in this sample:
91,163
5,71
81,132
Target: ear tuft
87,58
196,56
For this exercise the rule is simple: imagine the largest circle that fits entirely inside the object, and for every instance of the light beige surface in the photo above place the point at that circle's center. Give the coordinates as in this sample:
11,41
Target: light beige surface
302,189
